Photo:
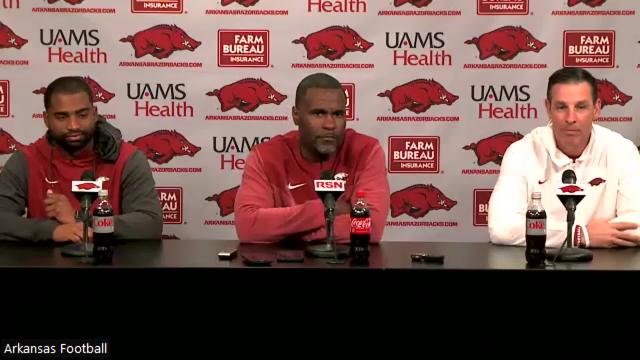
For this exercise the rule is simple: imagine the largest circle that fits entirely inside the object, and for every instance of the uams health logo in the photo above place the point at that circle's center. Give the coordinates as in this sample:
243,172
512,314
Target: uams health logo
159,100
337,6
416,3
10,4
8,144
160,41
589,49
73,46
245,3
156,6
509,102
232,150
163,145
225,200
243,48
505,43
414,154
171,201
481,206
503,7
418,200
247,95
592,3
333,42
5,98
418,48
490,149
418,96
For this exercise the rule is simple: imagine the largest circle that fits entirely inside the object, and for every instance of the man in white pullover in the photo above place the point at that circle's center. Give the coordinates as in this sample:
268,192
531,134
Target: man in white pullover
606,162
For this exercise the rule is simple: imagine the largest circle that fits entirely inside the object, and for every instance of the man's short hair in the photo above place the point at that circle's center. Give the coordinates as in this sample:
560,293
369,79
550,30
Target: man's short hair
318,81
572,76
66,85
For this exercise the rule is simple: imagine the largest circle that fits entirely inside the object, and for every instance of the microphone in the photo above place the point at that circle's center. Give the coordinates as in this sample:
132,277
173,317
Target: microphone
86,191
570,194
329,190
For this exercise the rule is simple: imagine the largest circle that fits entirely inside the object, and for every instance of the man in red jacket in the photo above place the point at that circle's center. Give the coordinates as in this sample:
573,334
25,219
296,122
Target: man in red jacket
276,199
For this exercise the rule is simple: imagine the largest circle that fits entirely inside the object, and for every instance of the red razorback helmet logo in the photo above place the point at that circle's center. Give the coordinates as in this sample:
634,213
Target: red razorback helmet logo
72,2
161,41
8,144
163,145
245,3
9,39
418,96
492,148
225,200
100,94
246,95
506,42
609,94
592,3
416,3
417,200
333,42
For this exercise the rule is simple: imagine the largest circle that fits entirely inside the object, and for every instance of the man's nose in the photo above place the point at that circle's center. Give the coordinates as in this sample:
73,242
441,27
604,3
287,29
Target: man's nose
74,123
329,122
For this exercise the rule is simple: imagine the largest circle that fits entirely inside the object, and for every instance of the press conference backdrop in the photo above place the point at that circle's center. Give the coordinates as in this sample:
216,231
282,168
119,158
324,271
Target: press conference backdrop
445,85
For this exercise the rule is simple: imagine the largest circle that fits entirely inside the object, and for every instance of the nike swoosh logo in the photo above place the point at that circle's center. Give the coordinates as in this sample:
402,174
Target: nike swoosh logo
291,187
540,182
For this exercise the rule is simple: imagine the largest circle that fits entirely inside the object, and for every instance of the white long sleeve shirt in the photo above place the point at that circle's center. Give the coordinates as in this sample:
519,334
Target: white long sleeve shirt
534,163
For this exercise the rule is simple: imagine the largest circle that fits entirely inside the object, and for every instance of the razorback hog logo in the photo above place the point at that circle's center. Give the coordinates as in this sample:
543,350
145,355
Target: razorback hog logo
592,3
418,96
417,200
571,189
161,41
100,94
609,93
416,3
333,42
506,42
87,186
245,3
9,39
225,200
8,144
246,95
163,145
72,2
597,181
492,149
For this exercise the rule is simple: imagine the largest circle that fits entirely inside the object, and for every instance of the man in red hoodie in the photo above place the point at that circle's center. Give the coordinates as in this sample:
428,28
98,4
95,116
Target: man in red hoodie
276,199
38,177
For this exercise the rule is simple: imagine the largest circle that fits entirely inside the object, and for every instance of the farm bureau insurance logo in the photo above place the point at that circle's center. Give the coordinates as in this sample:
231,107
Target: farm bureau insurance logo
243,48
5,99
157,6
69,7
481,206
503,7
171,201
589,49
414,154
350,94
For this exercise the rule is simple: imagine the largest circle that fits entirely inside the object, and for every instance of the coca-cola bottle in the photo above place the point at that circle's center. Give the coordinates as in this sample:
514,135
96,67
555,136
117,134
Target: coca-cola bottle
360,231
103,229
536,233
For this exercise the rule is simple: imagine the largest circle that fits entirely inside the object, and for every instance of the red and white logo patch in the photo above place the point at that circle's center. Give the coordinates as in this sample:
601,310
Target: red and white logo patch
4,98
589,49
481,206
243,48
414,154
157,6
503,7
350,93
171,201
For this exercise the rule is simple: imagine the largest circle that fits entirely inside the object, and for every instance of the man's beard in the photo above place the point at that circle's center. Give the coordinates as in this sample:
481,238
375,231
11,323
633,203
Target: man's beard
72,147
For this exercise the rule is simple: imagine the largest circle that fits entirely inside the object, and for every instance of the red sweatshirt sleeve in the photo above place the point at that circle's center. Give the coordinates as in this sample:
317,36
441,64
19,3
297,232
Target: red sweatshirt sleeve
372,180
258,220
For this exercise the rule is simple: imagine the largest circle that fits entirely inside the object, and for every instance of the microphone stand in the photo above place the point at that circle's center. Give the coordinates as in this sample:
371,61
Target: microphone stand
570,253
85,249
329,249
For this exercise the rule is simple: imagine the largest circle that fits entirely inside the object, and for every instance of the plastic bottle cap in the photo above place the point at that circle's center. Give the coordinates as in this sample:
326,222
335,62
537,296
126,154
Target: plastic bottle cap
360,194
103,192
536,195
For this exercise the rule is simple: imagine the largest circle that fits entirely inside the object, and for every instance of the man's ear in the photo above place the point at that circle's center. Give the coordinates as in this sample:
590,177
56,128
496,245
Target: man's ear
295,114
597,109
547,105
46,119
